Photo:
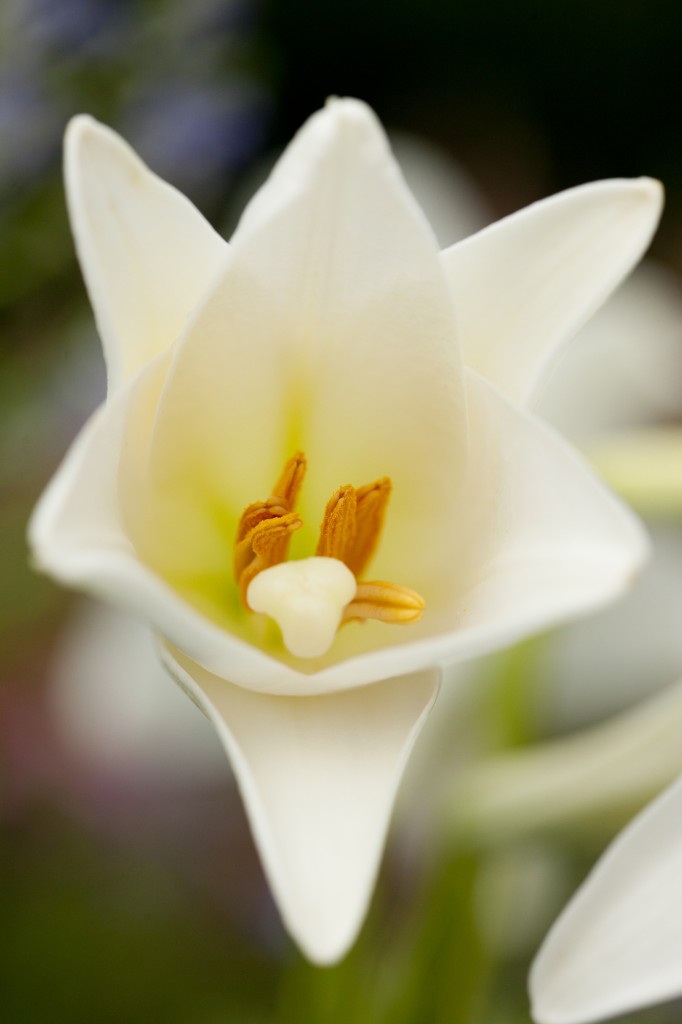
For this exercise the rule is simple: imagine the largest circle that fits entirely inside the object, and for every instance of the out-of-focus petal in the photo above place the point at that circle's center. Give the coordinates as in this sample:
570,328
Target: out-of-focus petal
594,668
597,777
624,368
115,706
618,944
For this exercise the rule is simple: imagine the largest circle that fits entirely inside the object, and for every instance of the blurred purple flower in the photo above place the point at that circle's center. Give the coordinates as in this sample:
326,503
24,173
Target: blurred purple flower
198,135
69,26
27,118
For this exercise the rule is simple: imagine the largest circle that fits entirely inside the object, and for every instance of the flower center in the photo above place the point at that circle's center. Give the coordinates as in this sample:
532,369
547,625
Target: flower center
309,599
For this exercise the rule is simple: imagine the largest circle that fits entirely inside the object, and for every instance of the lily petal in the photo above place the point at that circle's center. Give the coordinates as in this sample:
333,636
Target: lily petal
332,331
525,284
318,778
618,944
146,252
541,538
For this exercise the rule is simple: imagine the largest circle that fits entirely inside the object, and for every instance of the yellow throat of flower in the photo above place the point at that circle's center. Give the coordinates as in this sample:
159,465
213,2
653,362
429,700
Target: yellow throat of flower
310,598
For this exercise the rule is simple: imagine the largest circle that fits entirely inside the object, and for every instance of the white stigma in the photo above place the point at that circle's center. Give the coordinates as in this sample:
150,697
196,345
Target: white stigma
306,599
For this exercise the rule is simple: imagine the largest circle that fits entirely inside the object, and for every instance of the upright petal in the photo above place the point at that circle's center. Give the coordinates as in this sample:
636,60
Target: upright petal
146,252
525,284
318,777
618,944
331,331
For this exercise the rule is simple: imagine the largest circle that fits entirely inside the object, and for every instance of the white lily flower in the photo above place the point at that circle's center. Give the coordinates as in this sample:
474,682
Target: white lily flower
327,327
618,944
623,371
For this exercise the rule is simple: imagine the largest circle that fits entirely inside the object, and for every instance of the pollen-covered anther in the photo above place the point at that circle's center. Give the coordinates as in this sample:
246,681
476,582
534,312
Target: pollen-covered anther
386,602
265,527
269,544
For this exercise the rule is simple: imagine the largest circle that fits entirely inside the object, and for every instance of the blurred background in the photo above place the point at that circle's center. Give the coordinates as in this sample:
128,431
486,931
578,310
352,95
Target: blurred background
131,890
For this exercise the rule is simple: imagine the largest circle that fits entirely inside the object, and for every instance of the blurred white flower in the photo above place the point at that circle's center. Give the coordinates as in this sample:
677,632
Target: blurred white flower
328,327
624,368
618,944
615,385
112,703
589,779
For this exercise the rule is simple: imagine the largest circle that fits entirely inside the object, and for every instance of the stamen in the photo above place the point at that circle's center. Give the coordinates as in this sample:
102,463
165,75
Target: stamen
372,501
337,532
387,602
290,481
265,527
269,544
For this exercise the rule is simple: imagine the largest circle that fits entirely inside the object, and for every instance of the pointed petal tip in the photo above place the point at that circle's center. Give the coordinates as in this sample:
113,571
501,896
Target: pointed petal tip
85,140
327,946
647,193
78,124
348,113
652,193
643,185
348,106
84,127
651,187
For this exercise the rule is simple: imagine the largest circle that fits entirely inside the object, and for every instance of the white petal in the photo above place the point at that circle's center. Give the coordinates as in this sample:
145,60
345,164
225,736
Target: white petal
318,776
147,254
596,777
332,330
541,539
527,283
618,944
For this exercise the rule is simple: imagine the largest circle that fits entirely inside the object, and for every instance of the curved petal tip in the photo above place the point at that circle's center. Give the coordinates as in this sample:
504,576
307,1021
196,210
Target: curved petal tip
318,777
